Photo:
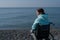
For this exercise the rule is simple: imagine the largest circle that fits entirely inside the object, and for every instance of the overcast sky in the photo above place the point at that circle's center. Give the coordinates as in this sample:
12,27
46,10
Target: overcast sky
29,3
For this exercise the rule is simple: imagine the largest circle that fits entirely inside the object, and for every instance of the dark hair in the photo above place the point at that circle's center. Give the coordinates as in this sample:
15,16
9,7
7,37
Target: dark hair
41,10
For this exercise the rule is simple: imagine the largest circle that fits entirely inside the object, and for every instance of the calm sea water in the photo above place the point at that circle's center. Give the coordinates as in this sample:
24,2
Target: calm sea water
11,18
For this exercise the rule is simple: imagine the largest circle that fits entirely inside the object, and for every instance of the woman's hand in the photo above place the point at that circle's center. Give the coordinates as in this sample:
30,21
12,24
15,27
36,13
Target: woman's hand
32,31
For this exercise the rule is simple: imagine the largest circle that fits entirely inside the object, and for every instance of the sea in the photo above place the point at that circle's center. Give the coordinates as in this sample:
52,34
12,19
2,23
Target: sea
23,17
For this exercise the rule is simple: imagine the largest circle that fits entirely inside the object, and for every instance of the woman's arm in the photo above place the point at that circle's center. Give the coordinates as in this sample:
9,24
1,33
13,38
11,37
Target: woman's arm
35,24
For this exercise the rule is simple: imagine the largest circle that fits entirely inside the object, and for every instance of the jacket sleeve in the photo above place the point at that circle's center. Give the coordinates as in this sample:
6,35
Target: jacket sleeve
35,23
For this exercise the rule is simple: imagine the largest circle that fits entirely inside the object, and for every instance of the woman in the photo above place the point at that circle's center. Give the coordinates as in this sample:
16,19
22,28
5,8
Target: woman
41,23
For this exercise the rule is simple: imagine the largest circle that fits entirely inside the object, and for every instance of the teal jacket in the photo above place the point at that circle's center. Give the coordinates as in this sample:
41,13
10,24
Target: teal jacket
42,19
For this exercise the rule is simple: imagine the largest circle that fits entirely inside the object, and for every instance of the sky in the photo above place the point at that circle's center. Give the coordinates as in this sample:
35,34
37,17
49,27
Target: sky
29,3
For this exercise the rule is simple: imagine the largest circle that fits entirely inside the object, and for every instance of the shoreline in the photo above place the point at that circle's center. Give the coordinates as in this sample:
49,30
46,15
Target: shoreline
14,28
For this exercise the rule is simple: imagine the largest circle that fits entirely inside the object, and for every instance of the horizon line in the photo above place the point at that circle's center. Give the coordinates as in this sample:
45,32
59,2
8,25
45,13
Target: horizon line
19,7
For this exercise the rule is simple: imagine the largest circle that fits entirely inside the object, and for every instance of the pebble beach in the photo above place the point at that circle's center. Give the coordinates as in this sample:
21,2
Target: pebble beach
21,34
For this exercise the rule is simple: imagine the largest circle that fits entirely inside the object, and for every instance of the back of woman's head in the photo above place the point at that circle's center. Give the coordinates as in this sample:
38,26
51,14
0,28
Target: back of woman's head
40,11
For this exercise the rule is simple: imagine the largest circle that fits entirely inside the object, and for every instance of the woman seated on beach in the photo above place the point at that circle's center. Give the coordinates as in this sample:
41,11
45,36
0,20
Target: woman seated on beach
42,23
